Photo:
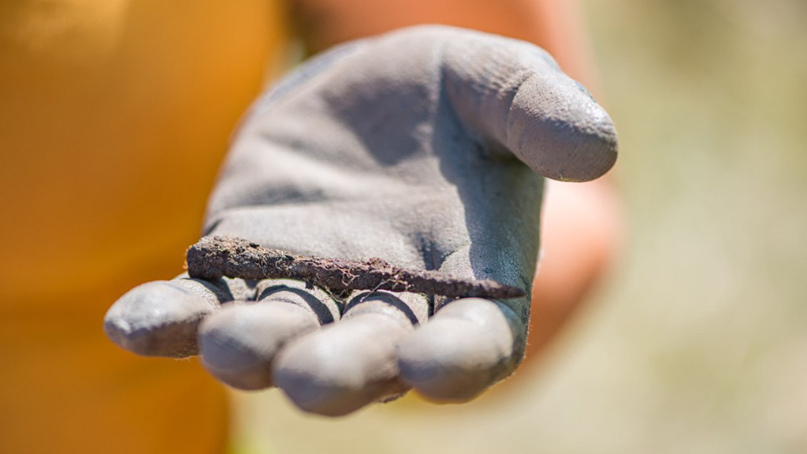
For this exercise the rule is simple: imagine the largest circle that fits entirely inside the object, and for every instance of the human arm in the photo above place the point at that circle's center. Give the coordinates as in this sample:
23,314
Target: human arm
423,147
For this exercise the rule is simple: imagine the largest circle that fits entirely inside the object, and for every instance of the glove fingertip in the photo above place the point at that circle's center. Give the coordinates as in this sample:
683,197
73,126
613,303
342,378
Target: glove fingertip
460,353
157,319
561,132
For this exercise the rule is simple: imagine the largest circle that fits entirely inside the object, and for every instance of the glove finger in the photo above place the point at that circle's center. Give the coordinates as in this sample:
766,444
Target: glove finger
346,366
466,347
514,95
161,318
239,342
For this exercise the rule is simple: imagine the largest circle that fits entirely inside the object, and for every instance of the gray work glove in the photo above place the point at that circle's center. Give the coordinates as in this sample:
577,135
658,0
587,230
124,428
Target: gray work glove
425,147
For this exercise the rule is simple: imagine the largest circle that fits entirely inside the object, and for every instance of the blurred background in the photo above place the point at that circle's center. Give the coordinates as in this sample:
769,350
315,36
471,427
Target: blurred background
697,342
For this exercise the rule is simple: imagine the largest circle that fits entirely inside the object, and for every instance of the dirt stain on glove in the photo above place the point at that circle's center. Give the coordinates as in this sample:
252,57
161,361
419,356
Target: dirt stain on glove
217,256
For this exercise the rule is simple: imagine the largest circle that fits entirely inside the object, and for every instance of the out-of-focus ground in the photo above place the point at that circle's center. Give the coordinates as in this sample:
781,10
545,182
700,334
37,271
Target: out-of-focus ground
698,341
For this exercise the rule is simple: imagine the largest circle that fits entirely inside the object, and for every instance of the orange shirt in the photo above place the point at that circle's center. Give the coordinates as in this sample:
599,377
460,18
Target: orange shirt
114,116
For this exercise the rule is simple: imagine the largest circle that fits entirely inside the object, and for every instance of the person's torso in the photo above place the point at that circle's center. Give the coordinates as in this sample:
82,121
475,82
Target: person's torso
114,116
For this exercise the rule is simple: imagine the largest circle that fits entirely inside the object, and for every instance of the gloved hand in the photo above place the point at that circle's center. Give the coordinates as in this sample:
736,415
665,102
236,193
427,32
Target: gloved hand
425,147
